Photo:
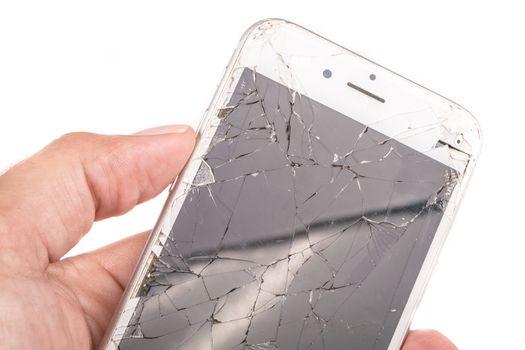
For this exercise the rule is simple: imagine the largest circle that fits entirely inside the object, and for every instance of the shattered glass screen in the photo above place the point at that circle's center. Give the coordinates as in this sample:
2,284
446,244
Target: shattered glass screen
310,236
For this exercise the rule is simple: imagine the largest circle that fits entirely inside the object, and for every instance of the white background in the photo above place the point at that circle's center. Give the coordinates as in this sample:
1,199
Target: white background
119,67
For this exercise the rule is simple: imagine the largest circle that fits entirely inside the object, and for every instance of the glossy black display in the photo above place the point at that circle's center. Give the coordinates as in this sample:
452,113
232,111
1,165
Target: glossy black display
309,235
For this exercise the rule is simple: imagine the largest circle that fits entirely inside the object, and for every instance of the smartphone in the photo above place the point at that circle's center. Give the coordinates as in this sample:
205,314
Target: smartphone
312,211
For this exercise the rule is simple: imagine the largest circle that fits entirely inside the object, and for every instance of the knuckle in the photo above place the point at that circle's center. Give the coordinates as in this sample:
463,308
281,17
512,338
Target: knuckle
73,138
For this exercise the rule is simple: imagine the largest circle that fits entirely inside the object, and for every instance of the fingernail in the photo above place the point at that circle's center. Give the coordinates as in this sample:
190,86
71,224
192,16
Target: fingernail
165,129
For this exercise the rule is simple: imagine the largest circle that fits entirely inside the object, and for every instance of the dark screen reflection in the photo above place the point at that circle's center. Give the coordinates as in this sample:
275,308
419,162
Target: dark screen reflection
311,235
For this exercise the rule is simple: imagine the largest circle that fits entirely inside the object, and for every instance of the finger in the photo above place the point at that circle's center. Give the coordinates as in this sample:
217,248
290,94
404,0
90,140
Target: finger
427,340
50,200
98,278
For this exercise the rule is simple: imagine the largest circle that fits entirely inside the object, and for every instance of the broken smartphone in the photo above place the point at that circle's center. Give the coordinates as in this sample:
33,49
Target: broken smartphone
312,211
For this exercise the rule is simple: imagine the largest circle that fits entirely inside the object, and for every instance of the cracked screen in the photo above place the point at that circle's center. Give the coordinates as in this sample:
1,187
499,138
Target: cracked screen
302,229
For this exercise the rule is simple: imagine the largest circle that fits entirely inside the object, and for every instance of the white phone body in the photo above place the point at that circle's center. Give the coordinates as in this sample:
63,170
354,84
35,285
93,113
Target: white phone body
371,95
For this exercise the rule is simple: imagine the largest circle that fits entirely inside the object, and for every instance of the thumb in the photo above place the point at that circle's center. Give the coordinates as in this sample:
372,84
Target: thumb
50,200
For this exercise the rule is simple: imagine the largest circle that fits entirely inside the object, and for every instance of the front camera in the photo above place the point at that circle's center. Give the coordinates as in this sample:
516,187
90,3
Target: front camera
327,73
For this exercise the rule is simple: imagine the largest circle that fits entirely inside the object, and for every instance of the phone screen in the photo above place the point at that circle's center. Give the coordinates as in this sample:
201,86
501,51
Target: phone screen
303,229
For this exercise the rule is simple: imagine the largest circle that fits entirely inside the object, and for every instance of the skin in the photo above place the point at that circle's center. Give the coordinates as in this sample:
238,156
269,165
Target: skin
50,200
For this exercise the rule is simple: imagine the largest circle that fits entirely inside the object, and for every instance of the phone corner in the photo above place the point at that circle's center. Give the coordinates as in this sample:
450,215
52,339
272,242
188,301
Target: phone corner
265,25
470,127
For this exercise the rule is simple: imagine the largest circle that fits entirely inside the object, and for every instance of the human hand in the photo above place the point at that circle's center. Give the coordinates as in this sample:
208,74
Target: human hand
49,201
